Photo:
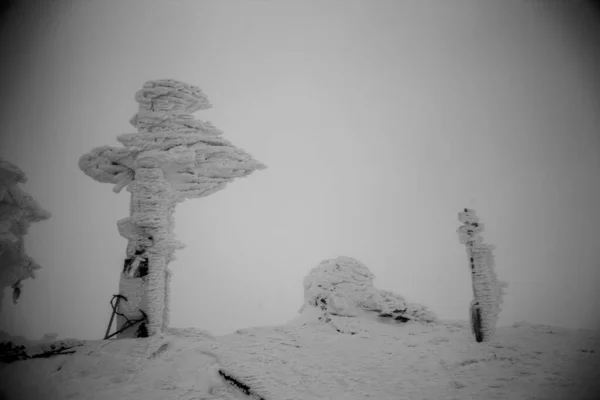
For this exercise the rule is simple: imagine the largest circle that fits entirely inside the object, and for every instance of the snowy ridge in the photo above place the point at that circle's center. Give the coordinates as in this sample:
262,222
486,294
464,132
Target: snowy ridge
346,351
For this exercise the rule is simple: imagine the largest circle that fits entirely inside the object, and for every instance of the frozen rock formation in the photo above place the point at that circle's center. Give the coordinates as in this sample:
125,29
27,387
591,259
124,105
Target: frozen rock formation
171,158
487,289
343,287
17,211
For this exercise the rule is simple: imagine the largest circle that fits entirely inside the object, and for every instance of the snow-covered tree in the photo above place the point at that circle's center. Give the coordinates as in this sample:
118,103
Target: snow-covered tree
172,157
17,211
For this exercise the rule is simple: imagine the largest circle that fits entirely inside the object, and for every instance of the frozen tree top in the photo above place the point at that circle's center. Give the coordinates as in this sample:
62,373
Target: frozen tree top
197,161
343,286
17,208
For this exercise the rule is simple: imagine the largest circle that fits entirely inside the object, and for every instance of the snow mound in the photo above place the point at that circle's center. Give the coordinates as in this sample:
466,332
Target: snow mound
343,287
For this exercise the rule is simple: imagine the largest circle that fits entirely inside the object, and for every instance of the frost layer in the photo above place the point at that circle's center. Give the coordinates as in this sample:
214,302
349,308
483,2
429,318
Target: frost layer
343,287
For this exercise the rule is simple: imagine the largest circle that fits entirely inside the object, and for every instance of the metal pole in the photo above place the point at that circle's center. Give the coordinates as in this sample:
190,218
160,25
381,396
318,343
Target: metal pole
112,317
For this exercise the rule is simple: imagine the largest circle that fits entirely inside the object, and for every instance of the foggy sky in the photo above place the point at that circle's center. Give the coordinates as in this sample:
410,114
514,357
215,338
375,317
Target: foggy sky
378,120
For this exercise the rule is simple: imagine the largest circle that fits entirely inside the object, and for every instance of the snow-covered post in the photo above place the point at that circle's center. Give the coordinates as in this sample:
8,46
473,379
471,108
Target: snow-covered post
171,158
487,289
17,211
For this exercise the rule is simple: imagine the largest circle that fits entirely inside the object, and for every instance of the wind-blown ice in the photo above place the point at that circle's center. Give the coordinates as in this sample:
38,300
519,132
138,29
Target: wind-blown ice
17,211
343,287
171,158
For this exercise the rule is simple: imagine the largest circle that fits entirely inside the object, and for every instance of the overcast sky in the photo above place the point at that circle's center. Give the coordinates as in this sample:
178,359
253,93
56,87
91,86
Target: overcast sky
378,120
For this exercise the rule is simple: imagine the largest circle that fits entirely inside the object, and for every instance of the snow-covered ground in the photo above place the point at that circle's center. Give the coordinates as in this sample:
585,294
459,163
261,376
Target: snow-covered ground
292,361
350,341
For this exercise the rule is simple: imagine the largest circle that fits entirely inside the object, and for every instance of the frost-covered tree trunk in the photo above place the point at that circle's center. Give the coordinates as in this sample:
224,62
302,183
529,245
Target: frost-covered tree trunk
152,208
151,194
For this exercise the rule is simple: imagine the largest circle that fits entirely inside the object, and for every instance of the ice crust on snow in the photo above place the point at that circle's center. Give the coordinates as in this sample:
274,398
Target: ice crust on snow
343,287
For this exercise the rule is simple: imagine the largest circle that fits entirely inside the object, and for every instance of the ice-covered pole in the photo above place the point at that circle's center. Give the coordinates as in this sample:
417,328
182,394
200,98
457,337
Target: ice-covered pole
487,289
17,211
171,158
